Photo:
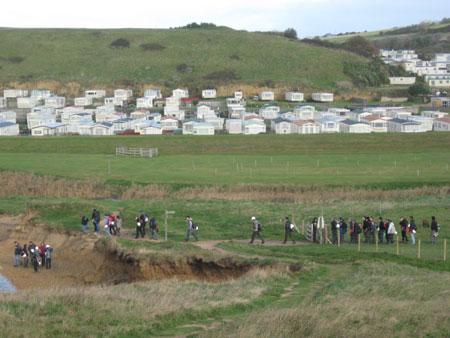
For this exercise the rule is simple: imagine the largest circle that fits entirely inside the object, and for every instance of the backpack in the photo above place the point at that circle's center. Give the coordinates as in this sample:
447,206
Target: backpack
48,254
259,227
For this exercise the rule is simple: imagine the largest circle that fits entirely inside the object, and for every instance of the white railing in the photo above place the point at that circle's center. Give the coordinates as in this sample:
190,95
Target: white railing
137,152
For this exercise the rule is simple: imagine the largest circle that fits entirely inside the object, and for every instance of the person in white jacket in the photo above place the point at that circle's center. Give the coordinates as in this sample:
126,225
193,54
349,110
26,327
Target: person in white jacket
391,232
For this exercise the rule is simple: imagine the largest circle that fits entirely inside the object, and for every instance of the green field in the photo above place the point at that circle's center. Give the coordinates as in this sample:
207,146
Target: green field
84,56
337,291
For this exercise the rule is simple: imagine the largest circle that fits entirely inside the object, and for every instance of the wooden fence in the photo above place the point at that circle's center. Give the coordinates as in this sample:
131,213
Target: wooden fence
137,152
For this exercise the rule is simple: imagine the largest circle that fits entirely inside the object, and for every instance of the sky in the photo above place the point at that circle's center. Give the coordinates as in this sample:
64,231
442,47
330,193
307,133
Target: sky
308,17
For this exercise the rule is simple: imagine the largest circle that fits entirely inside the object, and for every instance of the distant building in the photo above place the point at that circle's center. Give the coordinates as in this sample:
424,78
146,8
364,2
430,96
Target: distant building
95,93
294,96
154,93
41,93
180,93
124,94
442,124
266,96
26,102
403,126
443,102
14,93
144,102
209,93
8,116
203,129
50,129
55,101
402,80
8,128
83,101
322,97
113,101
3,102
234,126
354,127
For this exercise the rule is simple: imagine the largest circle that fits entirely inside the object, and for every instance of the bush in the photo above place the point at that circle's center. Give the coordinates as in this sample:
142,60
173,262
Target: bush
223,75
361,46
184,68
290,33
120,43
419,88
153,46
201,25
374,73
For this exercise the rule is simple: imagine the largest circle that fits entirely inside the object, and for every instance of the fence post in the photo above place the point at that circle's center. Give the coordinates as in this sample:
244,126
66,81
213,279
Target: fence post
339,236
445,250
359,242
418,251
303,226
397,247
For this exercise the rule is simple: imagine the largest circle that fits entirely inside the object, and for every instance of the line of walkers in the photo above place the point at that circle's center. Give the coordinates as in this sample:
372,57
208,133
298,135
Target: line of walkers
288,229
39,255
384,229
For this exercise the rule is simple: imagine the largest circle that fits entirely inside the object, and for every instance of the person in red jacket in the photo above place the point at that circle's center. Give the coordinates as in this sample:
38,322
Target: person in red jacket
42,253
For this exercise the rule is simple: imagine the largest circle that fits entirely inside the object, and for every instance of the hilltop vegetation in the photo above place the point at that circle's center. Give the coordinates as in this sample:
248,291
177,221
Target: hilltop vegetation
130,57
426,38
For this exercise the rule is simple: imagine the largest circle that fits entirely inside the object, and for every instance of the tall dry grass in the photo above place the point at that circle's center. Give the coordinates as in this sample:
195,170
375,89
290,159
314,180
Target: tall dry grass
381,300
26,184
122,310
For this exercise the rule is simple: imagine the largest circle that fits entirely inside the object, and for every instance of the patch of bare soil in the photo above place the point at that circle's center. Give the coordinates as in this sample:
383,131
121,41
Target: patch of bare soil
85,260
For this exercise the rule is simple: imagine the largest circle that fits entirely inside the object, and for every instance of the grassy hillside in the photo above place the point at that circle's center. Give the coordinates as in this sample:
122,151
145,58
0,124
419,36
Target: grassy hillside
173,56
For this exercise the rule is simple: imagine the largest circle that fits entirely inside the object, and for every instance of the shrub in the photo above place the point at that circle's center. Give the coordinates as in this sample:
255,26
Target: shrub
419,88
153,46
235,57
290,33
120,43
374,73
361,46
223,75
184,68
16,59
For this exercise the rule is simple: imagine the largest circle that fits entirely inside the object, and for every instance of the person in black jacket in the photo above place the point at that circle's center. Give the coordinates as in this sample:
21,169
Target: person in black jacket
412,229
138,227
404,227
314,225
153,226
84,224
342,228
334,230
434,229
35,258
96,220
17,254
367,226
381,229
288,230
144,220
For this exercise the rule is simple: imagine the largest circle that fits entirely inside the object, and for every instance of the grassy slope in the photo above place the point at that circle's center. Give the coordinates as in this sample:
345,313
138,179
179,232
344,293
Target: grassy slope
84,56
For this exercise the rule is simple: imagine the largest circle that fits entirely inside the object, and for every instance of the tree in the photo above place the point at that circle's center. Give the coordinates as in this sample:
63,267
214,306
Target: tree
290,33
420,88
361,46
120,43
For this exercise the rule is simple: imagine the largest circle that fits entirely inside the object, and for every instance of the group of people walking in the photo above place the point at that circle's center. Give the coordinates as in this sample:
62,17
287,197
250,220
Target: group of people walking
37,255
288,229
384,229
111,223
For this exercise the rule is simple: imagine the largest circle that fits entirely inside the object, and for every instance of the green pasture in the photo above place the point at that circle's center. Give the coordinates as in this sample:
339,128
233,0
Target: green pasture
229,169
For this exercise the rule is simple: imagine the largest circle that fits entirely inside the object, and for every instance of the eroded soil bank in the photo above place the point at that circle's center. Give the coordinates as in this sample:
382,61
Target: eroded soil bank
90,259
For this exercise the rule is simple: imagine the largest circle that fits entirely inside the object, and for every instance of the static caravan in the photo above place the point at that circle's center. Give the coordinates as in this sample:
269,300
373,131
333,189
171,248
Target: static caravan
306,127
234,126
34,120
140,115
154,93
169,123
209,93
281,126
266,96
426,122
188,126
50,129
238,95
322,97
442,124
203,129
305,112
124,94
152,129
83,101
434,114
144,102
113,101
13,93
8,116
8,128
254,127
354,127
3,102
41,93
180,93
378,124
403,126
269,112
294,96
203,110
328,124
27,102
216,122
95,93
55,101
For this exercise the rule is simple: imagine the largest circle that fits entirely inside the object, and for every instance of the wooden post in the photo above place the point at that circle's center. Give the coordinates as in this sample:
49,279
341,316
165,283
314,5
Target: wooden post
445,250
339,236
359,242
326,235
418,250
398,252
303,226
166,215
376,243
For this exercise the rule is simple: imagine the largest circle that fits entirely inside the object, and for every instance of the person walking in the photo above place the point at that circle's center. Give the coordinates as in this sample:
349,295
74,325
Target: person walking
288,227
96,220
106,225
42,253
342,229
391,231
366,229
144,220
25,255
314,226
35,258
48,256
153,227
434,229
118,224
381,230
191,228
412,227
138,228
84,224
256,230
334,230
112,225
17,253
351,224
404,228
